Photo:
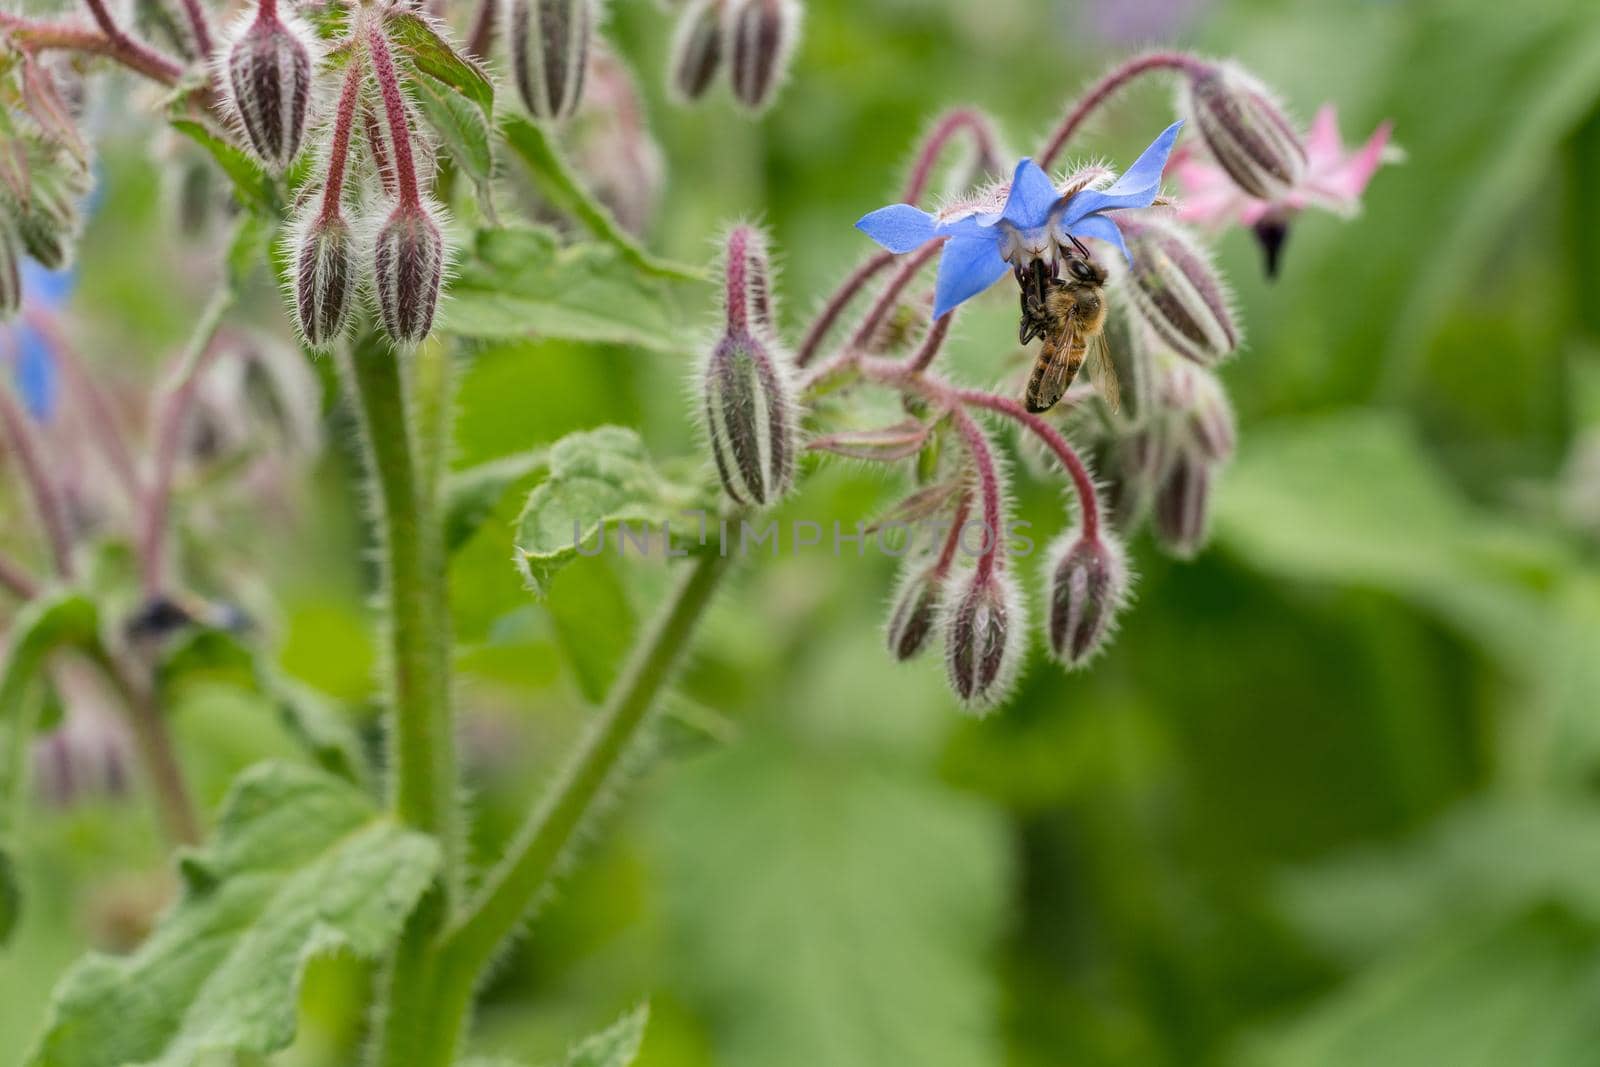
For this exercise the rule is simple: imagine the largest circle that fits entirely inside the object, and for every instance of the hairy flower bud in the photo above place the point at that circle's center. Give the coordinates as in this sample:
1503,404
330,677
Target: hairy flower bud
914,612
48,222
763,36
1088,583
268,81
549,43
407,271
1178,293
1183,504
324,279
1246,131
612,144
1211,425
984,631
697,48
750,419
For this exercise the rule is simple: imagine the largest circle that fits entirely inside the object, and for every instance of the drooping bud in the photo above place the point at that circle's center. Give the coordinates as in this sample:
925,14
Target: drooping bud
1211,425
1088,583
984,632
1183,504
48,222
612,145
550,42
697,48
10,275
407,270
763,35
1246,131
1178,292
268,80
914,612
324,279
750,419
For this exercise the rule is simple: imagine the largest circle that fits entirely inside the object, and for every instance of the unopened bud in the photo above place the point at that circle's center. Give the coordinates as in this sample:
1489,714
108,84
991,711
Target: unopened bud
750,419
763,36
915,612
1088,586
1178,293
1183,504
612,144
268,78
48,223
324,279
10,275
697,48
1246,131
408,268
550,42
1211,423
984,630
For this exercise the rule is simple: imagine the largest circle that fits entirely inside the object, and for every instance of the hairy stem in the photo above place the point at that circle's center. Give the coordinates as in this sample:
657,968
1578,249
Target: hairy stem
988,489
1083,484
945,130
42,487
848,290
157,755
133,53
535,853
157,509
394,108
1102,90
339,145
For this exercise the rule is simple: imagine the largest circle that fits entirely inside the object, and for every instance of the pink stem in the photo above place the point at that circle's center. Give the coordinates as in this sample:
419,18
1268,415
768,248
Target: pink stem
158,498
46,493
481,38
202,28
13,577
952,540
104,424
736,291
988,488
848,290
1102,90
111,42
1088,500
932,342
339,146
395,111
891,294
964,118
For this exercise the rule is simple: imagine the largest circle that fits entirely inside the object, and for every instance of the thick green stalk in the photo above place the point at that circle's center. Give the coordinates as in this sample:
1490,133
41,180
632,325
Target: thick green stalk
417,633
471,941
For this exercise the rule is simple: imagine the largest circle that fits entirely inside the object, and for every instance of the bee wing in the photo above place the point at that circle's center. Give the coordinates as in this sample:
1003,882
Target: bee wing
1054,373
1103,369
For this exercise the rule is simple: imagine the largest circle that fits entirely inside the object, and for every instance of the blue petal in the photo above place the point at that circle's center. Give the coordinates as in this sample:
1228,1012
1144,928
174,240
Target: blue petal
36,373
1136,188
1104,229
49,288
968,266
899,227
1032,197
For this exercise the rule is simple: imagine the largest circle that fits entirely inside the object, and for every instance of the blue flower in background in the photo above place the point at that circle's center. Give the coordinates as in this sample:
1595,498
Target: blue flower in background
34,365
1036,220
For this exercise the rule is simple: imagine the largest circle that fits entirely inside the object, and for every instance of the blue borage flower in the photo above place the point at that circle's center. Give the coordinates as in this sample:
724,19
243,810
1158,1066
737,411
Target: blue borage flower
1036,220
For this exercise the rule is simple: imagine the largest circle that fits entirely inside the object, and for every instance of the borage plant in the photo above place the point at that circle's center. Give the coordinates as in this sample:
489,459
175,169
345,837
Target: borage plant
365,153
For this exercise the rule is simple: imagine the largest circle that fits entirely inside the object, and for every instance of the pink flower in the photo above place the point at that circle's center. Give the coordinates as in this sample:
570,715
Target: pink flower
1334,180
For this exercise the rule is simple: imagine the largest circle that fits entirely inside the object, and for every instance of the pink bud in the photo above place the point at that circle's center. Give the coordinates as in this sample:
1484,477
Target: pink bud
1178,292
324,280
550,41
1246,131
1182,506
1088,586
697,48
914,612
763,36
268,81
1211,424
750,419
984,633
408,268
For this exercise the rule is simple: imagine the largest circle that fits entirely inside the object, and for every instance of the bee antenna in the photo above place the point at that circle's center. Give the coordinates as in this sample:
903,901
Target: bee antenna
1082,251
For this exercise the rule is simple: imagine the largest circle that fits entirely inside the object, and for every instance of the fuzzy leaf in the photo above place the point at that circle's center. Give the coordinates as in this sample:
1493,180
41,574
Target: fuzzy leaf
615,1046
415,38
518,281
562,187
253,186
301,865
600,477
461,128
471,495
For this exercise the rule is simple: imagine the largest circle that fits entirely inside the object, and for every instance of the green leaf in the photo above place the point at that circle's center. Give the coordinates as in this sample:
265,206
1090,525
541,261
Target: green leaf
301,865
251,183
460,126
471,495
53,621
415,38
518,282
826,910
250,248
600,477
594,623
615,1046
564,189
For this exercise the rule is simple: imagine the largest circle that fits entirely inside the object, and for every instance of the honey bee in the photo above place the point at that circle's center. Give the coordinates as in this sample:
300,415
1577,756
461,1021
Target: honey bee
1069,314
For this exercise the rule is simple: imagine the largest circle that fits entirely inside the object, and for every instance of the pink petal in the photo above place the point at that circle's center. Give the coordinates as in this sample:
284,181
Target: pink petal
1324,148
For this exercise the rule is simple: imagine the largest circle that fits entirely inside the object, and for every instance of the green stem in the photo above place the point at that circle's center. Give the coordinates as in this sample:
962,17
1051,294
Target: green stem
477,934
422,740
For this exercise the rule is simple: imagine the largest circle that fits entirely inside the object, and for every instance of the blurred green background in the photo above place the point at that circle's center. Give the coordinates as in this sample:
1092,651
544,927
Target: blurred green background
1329,800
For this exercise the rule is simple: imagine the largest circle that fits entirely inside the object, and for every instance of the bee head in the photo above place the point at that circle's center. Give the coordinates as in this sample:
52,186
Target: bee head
1085,272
